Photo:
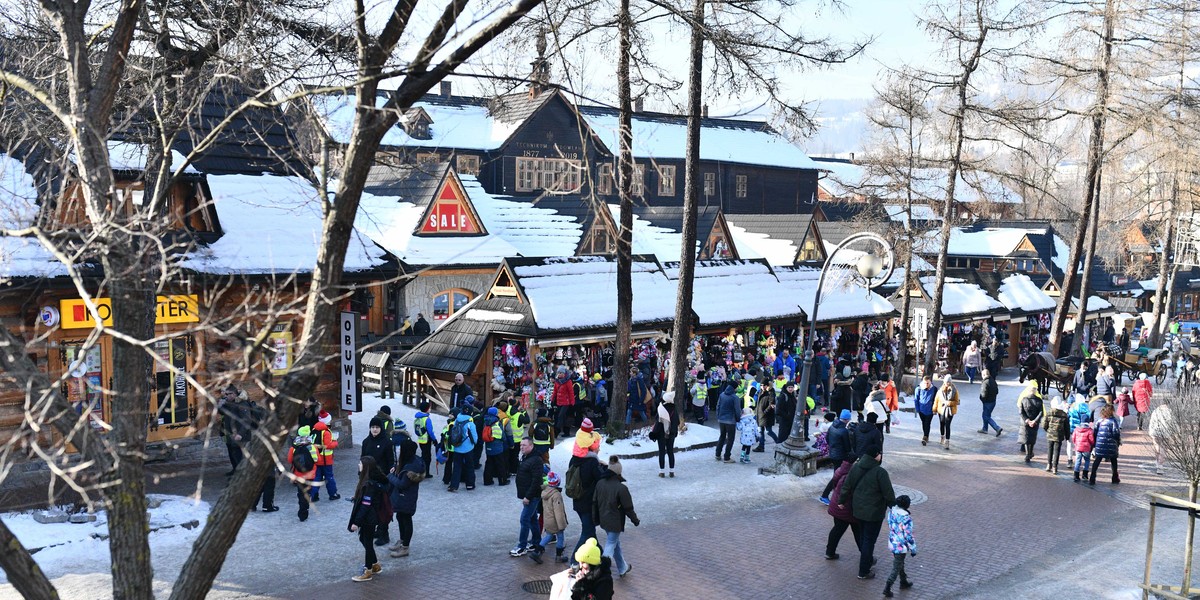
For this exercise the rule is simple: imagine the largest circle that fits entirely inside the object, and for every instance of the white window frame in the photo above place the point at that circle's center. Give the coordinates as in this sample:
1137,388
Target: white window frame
467,164
666,180
743,186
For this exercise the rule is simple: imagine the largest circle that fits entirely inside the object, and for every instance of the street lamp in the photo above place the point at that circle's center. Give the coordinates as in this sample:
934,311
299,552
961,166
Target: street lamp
869,267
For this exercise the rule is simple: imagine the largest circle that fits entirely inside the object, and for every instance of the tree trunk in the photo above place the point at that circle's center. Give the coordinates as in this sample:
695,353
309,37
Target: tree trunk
20,568
1085,278
681,334
625,228
1090,216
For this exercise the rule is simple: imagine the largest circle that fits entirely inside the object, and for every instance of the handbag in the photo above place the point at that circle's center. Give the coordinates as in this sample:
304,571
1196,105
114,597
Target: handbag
656,432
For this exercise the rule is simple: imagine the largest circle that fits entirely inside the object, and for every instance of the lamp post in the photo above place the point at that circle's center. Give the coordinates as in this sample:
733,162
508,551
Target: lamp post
869,267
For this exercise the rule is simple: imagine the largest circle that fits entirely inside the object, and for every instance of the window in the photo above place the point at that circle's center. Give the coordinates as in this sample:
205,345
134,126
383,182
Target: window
639,181
598,241
666,180
809,251
606,180
449,302
467,164
552,174
426,158
710,184
741,186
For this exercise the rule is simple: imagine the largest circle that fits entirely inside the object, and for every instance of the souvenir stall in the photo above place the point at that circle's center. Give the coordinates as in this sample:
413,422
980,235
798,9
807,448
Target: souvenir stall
1032,335
875,346
966,310
1031,308
512,371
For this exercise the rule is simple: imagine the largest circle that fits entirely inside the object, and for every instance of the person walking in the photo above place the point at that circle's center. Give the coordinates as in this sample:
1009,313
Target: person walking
972,359
1031,418
1077,414
1161,422
842,395
405,484
945,404
303,459
583,471
1122,405
1057,425
923,405
1143,392
1108,440
843,516
988,391
378,446
593,580
612,506
868,490
861,387
748,431
764,411
668,419
462,439
232,419
900,542
638,396
563,396
1083,439
728,413
840,452
427,440
496,439
554,521
459,392
1106,384
529,492
370,510
324,442
786,405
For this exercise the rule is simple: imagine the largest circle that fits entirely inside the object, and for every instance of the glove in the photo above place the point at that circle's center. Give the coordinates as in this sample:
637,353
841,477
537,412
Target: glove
637,523
913,554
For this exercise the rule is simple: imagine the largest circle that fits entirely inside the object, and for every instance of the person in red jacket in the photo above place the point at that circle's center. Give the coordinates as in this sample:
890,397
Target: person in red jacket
564,401
324,442
1142,393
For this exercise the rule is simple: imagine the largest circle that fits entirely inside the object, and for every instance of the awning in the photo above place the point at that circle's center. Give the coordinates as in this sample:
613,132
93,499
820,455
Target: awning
599,338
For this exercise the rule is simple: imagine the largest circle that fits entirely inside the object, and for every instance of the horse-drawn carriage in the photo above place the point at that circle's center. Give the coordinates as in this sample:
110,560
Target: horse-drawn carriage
1151,361
1044,369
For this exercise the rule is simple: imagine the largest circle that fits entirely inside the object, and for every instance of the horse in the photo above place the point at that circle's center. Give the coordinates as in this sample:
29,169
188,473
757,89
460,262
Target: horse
1039,367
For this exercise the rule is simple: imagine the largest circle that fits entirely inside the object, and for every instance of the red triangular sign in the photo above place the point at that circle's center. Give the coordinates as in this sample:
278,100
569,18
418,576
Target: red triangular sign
450,213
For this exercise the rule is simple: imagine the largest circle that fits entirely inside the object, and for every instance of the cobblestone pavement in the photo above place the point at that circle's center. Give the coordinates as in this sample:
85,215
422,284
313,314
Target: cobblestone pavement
991,527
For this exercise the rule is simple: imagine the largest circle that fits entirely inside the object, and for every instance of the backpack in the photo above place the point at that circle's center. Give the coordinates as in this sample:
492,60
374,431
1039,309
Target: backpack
458,433
488,435
574,483
419,427
541,431
302,460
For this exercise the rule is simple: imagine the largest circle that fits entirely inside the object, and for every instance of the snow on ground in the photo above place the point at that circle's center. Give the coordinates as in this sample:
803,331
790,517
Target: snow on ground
78,548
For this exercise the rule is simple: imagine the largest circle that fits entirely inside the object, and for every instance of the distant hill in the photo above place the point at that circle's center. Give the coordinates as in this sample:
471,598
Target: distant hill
842,128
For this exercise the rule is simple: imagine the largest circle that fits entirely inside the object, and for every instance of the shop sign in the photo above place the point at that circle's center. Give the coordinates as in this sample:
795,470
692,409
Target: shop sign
1120,279
450,213
49,316
170,309
280,342
350,392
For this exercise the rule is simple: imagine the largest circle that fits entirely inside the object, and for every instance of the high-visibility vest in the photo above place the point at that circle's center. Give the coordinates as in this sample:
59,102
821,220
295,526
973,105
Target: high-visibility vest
318,438
423,425
518,428
701,393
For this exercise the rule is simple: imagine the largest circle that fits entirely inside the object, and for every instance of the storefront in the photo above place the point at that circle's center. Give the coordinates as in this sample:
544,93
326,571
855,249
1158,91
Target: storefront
968,313
1031,310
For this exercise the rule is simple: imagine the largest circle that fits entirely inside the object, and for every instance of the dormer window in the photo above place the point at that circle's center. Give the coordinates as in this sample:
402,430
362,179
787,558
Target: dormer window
416,123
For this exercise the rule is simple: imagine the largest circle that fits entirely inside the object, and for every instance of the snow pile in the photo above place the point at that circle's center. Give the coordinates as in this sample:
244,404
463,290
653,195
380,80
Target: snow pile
1019,292
465,126
990,241
271,224
1095,304
651,239
130,156
751,244
74,548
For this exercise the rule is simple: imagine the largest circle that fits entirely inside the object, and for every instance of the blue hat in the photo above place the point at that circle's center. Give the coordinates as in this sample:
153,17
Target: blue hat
845,416
493,411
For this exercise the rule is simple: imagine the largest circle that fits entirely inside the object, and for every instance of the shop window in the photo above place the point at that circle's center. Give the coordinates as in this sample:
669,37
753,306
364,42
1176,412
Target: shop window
552,174
809,251
84,384
666,180
742,186
172,408
449,302
467,164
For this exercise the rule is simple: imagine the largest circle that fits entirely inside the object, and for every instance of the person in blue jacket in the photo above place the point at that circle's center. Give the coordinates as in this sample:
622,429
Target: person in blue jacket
496,467
1108,439
785,363
729,410
923,402
464,462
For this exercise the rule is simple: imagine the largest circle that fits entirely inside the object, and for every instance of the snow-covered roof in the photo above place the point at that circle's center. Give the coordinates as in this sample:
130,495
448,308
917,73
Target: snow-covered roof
21,256
514,228
650,239
737,291
271,224
920,212
463,125
725,140
1095,304
131,156
989,241
777,252
841,300
580,293
1019,293
960,298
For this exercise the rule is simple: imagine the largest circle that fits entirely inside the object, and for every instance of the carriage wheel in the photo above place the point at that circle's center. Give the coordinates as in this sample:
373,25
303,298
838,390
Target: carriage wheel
1062,386
1132,375
1161,376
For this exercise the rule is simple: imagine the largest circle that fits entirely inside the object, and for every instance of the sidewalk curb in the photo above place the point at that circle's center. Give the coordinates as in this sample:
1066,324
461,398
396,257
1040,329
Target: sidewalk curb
653,453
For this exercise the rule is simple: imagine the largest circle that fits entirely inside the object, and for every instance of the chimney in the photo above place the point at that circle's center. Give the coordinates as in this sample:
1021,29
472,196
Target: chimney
445,91
851,157
637,105
704,111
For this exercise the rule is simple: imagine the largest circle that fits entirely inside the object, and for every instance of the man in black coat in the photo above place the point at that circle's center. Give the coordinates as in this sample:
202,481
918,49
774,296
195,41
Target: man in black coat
421,327
460,391
529,492
869,441
379,446
590,472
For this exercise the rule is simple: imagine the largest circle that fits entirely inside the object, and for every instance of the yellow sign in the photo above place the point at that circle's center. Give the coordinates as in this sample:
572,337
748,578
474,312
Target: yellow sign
170,309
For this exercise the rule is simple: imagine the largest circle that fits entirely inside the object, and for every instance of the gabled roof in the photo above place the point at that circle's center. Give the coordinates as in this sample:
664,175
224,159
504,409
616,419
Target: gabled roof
842,302
721,289
778,238
21,257
664,136
459,342
415,184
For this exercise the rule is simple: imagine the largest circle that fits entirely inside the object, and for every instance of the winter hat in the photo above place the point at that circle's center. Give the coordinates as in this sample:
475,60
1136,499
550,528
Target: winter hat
669,398
947,378
324,417
845,415
904,502
469,401
747,411
493,412
375,422
588,553
303,432
399,425
385,409
587,425
423,406
1142,376
597,377
552,479
614,466
846,371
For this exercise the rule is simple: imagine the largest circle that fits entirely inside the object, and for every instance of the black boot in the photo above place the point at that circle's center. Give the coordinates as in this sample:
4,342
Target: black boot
536,554
558,556
905,584
887,591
